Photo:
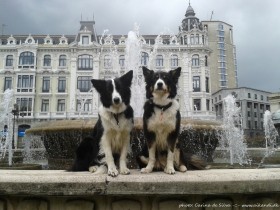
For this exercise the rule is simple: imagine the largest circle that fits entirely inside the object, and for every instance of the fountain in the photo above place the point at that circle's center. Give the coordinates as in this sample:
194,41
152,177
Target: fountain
7,134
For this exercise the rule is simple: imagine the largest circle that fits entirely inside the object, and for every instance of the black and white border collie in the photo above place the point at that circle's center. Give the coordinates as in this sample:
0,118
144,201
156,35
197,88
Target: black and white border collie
161,124
110,139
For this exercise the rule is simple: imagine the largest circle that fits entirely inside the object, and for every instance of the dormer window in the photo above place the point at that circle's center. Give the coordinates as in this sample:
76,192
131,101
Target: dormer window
63,40
85,40
11,40
48,40
29,40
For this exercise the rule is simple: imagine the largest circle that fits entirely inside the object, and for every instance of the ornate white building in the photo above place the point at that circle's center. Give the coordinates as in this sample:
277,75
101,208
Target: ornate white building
51,74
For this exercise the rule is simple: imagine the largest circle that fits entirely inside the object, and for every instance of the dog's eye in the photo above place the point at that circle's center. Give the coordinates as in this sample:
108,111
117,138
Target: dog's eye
157,76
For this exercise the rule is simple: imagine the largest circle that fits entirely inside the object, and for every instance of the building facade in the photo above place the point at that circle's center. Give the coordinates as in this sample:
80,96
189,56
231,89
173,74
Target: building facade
51,75
223,57
253,104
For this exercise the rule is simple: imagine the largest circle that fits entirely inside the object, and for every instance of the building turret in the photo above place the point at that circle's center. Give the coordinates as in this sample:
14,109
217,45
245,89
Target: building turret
190,21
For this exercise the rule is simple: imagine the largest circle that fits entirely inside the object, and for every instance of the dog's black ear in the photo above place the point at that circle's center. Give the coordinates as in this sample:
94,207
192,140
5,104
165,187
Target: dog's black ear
148,74
175,74
127,78
98,84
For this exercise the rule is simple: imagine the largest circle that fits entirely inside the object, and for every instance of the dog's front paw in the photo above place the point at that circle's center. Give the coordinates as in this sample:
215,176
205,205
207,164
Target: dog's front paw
124,171
169,170
113,172
146,170
92,169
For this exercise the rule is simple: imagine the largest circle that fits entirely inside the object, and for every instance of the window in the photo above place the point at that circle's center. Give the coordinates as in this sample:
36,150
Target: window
196,84
256,124
174,61
25,83
249,114
249,105
197,39
46,85
84,84
206,60
256,96
192,39
207,104
262,97
122,60
85,39
87,106
144,59
45,105
255,114
25,106
195,60
8,83
85,62
9,60
197,104
186,39
249,124
62,60
47,60
107,61
61,105
26,59
249,95
207,84
159,61
220,27
61,84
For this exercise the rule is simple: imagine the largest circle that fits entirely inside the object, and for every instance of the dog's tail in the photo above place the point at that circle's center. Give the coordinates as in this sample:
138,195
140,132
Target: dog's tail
84,156
194,162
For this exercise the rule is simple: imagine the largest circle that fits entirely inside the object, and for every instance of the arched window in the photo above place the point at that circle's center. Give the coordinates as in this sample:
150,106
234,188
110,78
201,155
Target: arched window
47,60
122,60
85,62
144,59
26,58
174,61
195,60
9,60
62,60
159,61
107,61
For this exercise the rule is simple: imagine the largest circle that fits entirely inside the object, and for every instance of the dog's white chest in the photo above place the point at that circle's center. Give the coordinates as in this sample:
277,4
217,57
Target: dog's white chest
162,123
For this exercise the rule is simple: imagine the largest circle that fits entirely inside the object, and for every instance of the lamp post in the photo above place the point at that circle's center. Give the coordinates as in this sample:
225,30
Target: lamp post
15,112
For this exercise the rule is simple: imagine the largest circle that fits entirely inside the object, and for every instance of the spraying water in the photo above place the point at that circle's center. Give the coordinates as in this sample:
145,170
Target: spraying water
271,136
132,62
6,124
232,139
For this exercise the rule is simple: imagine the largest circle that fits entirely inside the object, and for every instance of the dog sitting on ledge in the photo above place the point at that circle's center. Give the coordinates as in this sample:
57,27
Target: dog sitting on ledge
161,124
110,139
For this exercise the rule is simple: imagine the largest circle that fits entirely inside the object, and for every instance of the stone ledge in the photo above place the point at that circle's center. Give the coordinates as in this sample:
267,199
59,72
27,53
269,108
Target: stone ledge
207,182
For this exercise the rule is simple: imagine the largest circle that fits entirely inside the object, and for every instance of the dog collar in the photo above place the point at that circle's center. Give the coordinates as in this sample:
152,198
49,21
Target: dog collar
163,108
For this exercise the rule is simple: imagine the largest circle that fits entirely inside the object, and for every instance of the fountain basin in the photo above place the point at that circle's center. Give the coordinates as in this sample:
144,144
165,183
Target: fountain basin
61,138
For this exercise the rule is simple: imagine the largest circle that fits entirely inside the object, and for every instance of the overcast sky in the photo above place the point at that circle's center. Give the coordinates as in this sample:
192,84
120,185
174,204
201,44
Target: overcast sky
256,25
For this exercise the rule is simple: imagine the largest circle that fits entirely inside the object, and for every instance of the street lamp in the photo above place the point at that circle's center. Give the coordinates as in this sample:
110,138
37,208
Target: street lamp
15,112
